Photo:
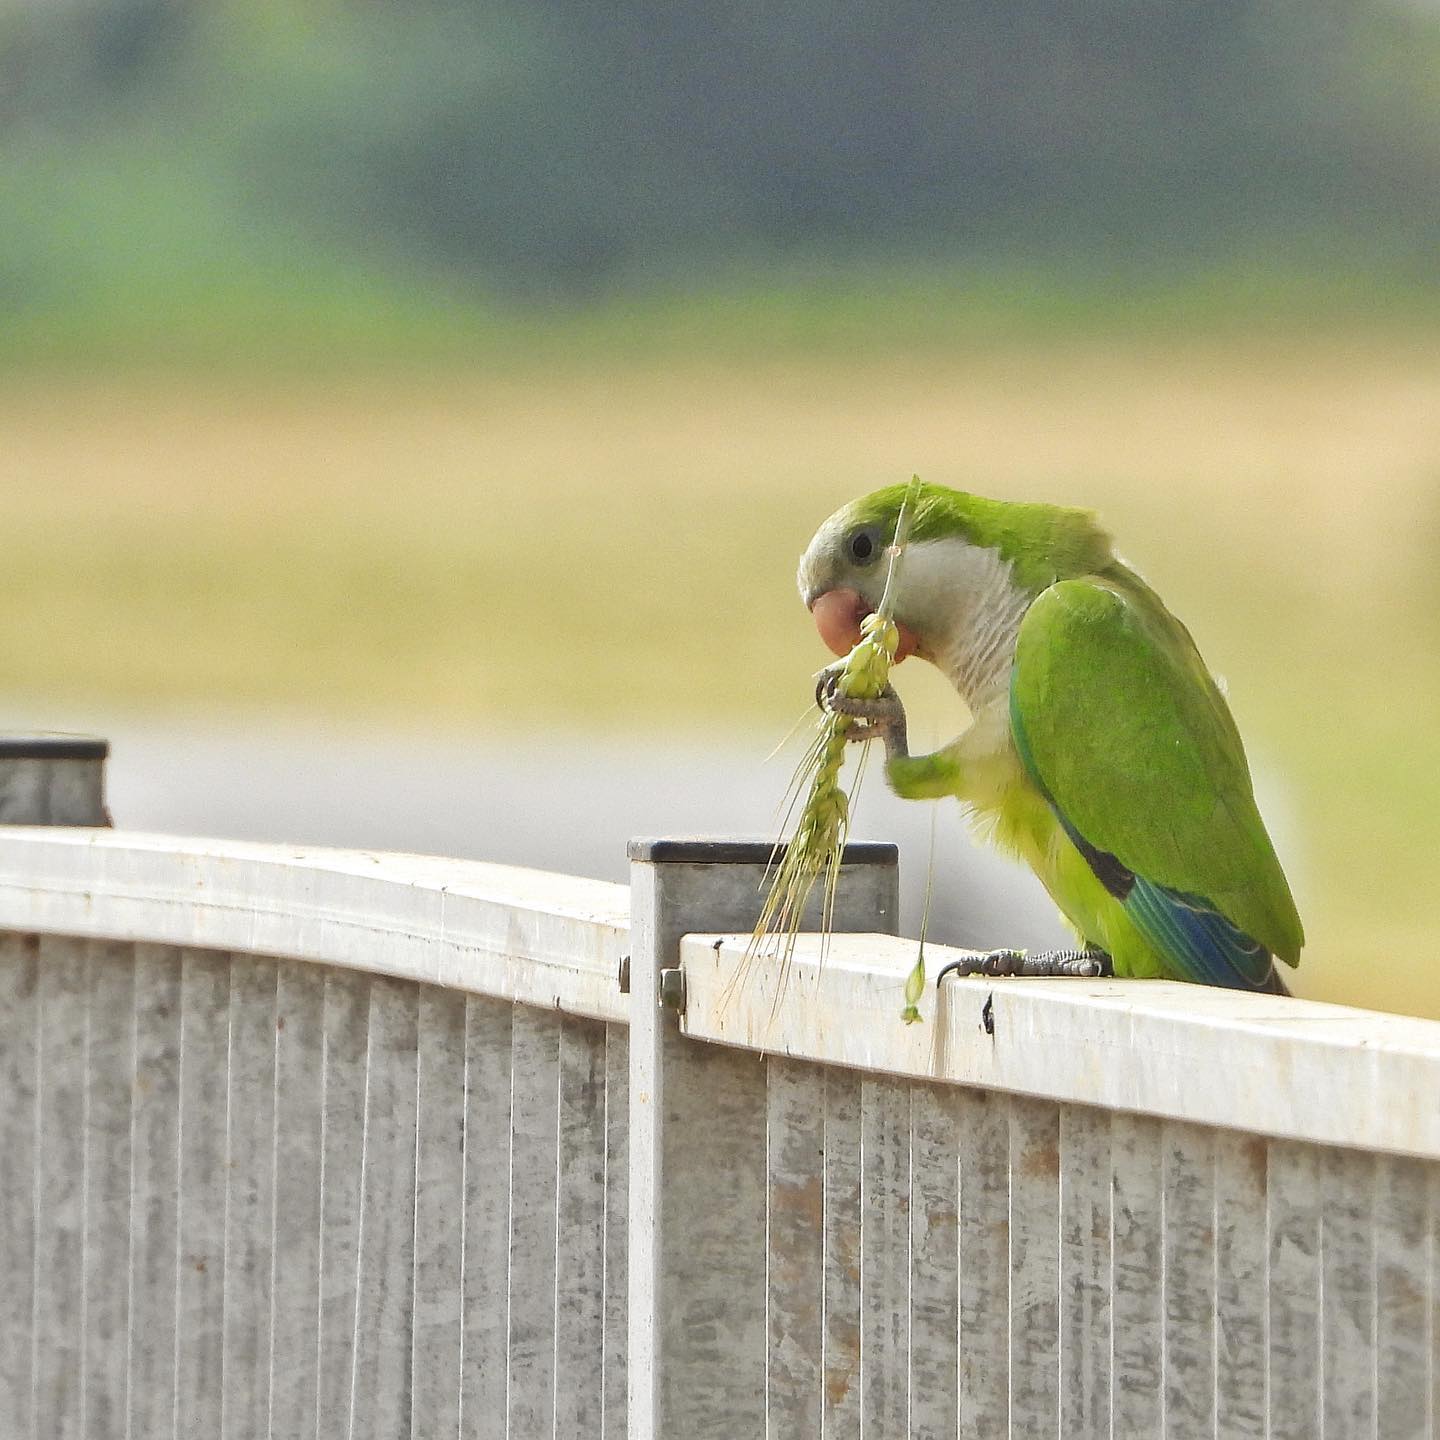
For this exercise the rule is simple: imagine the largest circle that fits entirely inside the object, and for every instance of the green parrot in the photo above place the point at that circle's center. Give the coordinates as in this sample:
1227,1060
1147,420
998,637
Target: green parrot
1100,750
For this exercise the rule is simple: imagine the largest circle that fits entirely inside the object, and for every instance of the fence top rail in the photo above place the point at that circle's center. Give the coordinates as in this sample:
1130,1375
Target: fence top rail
1260,1063
522,935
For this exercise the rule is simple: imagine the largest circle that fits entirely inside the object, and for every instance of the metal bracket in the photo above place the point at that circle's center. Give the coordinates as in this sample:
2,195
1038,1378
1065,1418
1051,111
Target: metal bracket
672,990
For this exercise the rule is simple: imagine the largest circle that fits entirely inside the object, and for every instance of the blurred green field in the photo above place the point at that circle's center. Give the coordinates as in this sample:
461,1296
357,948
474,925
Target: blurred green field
535,542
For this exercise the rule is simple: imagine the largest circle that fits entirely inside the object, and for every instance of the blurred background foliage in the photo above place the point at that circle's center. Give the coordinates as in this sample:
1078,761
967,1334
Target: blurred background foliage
352,349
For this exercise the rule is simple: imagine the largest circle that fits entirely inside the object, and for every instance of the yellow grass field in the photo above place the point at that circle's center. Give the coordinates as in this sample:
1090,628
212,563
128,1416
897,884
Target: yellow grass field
570,549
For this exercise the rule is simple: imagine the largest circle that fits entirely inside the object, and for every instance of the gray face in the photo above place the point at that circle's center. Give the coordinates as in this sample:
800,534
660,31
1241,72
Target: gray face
844,555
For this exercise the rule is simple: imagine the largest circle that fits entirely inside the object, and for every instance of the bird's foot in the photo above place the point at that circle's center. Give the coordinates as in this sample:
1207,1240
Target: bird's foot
884,713
1068,964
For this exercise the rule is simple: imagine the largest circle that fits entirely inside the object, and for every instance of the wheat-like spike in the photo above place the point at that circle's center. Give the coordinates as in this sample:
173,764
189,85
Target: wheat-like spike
817,841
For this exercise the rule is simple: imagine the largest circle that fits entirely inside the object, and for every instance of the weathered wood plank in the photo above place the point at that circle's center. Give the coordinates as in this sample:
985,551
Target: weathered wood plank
842,1245
534,1144
1294,1294
437,1355
1404,1341
19,1044
1084,1273
580,1232
154,1209
1034,1267
347,1027
110,1045
1241,1246
1347,1238
299,1151
1137,1301
984,1264
204,1091
60,1190
486,1319
386,1272
249,1199
1189,1241
884,1256
617,1223
935,1118
795,1168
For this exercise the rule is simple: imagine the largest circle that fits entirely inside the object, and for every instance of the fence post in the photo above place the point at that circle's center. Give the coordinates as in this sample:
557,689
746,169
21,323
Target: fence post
697,1251
53,780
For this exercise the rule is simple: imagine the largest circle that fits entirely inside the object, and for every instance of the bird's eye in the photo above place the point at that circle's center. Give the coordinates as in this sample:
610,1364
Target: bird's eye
864,545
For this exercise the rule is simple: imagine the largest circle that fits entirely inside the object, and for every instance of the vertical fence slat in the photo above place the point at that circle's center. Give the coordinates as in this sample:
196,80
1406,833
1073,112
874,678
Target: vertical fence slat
60,1189
299,1131
1084,1273
1136,1392
347,1025
617,1221
934,1262
18,1061
1402,1338
1347,1236
439,1216
488,1040
109,1081
1189,1181
1034,1267
386,1273
841,1297
204,1090
154,1214
885,1256
1241,1245
795,1166
1294,1291
249,1200
534,1142
984,1264
580,1261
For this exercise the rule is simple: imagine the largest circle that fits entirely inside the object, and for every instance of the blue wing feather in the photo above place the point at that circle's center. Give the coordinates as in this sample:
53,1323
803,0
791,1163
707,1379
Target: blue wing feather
1199,943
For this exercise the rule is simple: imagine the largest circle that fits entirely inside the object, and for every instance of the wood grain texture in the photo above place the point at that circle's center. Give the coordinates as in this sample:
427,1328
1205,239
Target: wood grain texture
1188,1159
1404,1335
59,1284
249,1199
934,1262
534,1140
617,1226
841,1354
1084,1273
795,1298
380,1395
485,1279
1347,1323
347,1027
299,1156
437,1339
1137,1389
984,1146
204,1109
1294,1222
19,1141
580,1231
1034,1267
109,1079
1241,1277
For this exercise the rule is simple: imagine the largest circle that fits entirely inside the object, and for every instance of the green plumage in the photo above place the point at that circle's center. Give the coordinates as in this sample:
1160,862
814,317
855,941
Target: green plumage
1101,751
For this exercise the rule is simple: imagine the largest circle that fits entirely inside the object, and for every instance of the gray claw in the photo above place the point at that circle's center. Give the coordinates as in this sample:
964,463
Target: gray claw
1068,964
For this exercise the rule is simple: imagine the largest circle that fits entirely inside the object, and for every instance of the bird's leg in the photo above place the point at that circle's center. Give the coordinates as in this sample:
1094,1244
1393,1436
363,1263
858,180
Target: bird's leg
1084,964
912,777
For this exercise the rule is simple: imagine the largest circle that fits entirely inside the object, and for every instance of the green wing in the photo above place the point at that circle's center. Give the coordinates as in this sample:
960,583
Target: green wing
1118,720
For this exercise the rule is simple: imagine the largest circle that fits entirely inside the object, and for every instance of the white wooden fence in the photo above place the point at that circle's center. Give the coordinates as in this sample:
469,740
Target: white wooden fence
319,1144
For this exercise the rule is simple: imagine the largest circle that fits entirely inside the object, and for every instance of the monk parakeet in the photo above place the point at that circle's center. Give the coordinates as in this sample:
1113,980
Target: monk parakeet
1100,750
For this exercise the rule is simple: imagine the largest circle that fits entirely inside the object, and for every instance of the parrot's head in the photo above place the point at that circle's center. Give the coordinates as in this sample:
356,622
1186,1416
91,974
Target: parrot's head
968,562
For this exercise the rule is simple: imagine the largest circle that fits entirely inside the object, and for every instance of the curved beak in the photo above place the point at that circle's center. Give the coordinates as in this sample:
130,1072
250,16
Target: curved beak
838,614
